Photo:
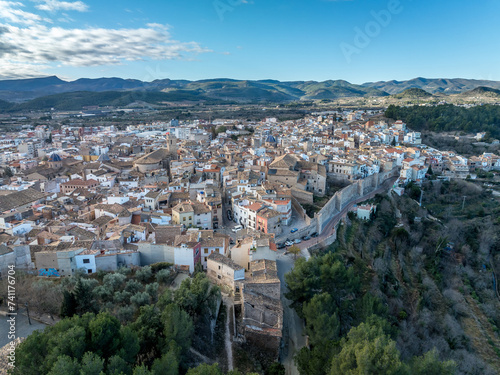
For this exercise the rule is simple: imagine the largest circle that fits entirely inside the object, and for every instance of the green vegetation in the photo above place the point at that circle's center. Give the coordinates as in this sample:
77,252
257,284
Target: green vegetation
449,117
407,295
413,93
119,324
295,250
79,99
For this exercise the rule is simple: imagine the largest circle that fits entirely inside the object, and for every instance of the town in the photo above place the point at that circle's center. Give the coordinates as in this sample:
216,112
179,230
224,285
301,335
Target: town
240,200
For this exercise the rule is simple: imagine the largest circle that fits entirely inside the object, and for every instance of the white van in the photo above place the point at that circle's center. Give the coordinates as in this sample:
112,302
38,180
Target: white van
237,228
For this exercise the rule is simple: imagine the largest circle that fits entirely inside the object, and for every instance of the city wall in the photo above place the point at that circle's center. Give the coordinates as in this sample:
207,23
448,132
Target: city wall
340,200
354,191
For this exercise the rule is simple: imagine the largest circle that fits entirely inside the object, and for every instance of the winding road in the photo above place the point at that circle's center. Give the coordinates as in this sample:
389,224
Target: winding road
293,327
329,230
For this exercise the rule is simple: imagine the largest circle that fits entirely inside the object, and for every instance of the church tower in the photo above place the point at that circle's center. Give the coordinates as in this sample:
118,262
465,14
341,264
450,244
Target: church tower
172,145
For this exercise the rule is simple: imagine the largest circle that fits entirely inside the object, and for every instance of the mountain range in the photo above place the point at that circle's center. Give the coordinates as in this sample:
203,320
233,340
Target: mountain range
53,92
433,86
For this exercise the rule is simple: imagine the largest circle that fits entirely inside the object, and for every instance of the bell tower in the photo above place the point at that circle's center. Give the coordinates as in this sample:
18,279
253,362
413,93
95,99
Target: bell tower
172,145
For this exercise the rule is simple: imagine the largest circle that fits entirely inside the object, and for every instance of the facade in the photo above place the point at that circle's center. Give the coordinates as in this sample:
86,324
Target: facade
269,221
223,271
183,214
63,261
68,187
365,212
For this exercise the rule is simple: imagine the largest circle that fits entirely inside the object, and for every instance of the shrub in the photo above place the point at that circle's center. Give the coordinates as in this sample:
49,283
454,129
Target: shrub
156,267
144,274
133,286
163,275
140,299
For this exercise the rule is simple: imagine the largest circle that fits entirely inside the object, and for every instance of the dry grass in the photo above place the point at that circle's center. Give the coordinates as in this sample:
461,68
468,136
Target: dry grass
479,330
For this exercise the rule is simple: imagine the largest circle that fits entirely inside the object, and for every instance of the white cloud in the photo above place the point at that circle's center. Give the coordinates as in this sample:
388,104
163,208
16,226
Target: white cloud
28,45
10,12
55,5
90,47
16,70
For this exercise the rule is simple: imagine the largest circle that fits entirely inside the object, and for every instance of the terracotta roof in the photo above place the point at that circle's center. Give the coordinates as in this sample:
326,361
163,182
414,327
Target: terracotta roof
19,198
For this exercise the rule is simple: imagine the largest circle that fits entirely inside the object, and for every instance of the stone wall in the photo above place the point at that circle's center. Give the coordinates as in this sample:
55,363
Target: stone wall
270,344
303,196
300,211
346,195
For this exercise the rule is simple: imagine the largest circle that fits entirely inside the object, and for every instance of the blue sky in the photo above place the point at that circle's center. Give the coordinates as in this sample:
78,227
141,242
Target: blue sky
357,40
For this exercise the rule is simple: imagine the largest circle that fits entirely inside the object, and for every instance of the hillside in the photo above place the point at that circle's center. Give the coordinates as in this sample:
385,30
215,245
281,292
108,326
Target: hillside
421,288
41,93
5,105
413,93
433,86
74,101
448,117
222,88
482,92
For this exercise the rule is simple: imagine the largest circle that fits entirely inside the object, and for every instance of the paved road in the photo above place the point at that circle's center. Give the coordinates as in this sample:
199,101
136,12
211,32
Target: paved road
330,227
293,326
23,328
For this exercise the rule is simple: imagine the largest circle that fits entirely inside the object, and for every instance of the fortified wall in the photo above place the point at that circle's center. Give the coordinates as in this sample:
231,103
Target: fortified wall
340,200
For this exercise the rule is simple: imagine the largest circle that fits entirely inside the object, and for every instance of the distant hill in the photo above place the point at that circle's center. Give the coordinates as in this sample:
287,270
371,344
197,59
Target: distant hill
41,93
413,93
5,105
433,86
74,101
222,88
482,92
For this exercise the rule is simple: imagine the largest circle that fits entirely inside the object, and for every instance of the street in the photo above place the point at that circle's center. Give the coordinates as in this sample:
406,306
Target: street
23,328
330,227
293,327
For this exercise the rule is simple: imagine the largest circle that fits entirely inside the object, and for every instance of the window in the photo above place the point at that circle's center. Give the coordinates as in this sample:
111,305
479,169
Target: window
219,267
218,276
183,219
86,261
89,271
205,251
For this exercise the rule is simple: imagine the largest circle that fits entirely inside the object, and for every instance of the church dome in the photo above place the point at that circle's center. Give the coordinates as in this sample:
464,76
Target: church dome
271,139
55,157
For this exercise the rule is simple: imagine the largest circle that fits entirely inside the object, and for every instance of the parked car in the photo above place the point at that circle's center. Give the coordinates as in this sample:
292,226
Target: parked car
281,245
237,228
294,230
306,238
289,243
298,240
315,234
